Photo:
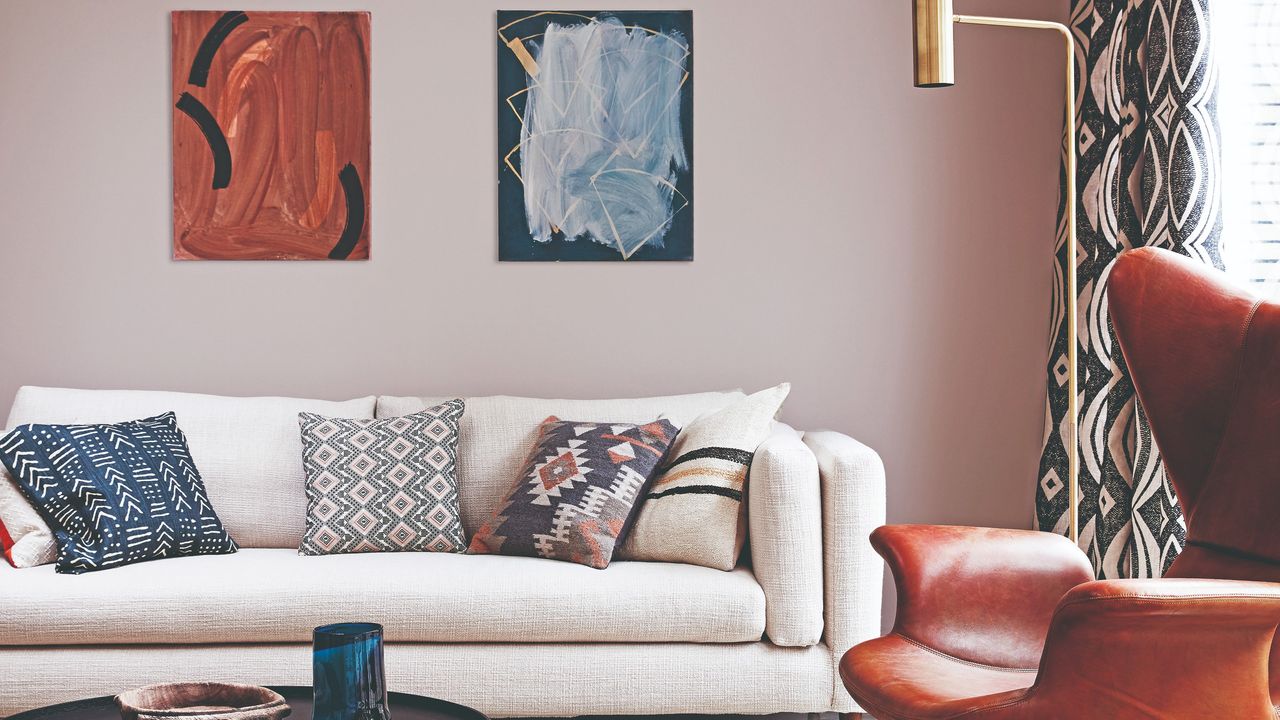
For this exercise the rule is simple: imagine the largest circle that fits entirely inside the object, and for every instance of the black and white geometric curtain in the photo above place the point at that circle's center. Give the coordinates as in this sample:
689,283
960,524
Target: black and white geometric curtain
1149,174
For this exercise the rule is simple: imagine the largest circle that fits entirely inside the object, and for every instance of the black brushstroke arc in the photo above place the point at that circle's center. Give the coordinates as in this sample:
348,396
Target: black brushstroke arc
213,39
213,135
354,191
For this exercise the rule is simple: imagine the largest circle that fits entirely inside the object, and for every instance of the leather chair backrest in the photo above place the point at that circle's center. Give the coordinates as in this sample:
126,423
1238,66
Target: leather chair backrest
1204,356
1205,359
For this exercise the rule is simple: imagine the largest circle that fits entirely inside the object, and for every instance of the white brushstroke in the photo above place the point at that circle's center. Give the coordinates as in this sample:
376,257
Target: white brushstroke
601,143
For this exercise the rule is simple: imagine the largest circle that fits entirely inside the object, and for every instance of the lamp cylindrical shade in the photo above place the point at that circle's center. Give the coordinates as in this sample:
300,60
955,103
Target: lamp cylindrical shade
934,42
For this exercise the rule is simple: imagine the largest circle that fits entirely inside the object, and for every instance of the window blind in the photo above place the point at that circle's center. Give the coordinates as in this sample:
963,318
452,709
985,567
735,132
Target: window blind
1251,134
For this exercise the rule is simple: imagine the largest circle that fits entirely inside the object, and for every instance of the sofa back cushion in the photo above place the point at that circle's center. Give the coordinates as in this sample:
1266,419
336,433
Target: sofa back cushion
248,450
499,432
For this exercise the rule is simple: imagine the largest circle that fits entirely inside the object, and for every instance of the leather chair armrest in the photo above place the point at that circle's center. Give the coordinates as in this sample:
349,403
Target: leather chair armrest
1162,648
979,594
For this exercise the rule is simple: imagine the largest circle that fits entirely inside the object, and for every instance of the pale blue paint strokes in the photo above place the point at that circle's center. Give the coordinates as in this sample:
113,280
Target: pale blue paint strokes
601,142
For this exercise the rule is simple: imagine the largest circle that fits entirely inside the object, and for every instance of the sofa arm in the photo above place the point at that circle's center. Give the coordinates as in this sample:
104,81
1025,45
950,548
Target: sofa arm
979,594
785,507
853,504
1162,648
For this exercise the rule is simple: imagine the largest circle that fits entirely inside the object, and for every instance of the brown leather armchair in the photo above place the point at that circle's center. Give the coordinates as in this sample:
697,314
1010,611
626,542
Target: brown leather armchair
1010,624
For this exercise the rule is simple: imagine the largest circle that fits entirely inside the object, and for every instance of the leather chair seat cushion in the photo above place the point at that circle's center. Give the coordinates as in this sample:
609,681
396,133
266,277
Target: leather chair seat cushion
898,677
278,596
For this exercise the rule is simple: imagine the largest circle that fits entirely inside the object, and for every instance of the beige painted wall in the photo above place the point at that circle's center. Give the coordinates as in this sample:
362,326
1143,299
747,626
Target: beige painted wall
885,249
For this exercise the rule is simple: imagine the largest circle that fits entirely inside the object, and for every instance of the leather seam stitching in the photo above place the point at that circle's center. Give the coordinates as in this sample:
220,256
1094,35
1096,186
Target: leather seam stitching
1026,696
1166,600
971,663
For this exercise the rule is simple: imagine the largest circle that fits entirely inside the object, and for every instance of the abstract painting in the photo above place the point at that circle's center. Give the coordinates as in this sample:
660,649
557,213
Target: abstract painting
595,135
270,135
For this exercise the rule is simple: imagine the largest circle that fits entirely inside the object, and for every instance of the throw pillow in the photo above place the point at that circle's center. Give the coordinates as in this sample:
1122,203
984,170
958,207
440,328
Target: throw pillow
695,512
575,497
115,494
25,538
387,485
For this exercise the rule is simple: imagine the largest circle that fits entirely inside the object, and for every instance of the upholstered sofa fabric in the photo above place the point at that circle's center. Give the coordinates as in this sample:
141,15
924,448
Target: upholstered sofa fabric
500,680
276,595
786,536
248,449
667,638
498,432
853,504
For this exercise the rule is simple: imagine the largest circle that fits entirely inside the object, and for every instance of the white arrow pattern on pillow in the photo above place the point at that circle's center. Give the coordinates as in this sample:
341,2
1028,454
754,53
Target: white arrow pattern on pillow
115,494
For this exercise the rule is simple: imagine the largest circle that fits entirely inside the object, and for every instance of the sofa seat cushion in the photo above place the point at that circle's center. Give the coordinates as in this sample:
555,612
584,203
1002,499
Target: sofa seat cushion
278,596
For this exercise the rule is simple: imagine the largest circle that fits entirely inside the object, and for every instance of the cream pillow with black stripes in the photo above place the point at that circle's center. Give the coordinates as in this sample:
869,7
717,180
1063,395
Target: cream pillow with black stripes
694,511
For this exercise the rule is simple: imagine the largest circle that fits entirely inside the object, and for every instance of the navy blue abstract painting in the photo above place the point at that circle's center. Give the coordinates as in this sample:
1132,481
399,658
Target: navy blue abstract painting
595,135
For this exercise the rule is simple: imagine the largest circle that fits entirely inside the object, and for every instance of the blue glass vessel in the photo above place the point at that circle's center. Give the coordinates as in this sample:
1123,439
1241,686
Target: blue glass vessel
348,676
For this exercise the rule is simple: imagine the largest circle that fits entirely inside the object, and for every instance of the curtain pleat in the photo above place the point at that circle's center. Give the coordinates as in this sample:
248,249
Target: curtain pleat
1149,174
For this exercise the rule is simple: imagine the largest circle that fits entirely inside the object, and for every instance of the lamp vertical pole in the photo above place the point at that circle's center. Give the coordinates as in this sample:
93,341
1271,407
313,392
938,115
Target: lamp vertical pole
1073,298
1071,295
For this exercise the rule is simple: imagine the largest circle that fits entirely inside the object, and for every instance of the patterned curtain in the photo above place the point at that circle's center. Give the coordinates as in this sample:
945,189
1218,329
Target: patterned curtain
1149,164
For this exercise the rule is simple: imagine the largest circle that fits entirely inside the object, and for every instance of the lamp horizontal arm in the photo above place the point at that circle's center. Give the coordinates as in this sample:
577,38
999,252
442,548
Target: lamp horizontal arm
1012,22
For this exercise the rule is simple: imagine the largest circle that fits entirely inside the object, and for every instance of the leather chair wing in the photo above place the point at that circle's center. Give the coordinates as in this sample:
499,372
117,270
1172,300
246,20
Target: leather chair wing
1181,328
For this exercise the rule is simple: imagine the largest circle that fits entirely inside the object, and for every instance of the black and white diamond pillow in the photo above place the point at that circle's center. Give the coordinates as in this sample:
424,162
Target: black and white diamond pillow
384,485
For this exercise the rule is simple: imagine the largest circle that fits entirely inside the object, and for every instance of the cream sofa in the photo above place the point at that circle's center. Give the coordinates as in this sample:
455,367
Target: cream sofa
508,636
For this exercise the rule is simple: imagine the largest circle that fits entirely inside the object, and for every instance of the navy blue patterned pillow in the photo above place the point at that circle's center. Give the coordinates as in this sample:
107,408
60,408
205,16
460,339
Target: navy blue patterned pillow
115,494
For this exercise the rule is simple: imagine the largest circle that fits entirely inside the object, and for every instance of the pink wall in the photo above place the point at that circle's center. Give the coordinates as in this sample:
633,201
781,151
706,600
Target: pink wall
885,249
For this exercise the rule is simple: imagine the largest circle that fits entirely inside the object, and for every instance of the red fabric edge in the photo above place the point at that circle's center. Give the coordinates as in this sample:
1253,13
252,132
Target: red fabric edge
6,542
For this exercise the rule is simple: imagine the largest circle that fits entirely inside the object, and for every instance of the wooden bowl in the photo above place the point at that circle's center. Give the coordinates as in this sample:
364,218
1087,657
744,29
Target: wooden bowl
201,701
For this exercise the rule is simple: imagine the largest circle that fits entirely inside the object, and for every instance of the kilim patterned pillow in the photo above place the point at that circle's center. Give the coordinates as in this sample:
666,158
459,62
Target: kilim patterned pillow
385,485
115,494
694,513
575,497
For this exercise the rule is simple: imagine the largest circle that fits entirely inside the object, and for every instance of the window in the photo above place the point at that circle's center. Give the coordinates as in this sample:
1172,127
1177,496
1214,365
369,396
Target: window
1249,112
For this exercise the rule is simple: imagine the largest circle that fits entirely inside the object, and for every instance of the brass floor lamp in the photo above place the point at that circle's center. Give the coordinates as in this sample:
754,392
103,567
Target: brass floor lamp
935,66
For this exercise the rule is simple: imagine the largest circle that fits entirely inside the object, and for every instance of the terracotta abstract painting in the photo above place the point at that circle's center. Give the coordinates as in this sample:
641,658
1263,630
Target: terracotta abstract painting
270,135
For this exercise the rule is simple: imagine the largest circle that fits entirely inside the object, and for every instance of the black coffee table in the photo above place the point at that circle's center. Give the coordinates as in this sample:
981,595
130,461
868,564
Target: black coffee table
403,707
